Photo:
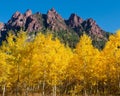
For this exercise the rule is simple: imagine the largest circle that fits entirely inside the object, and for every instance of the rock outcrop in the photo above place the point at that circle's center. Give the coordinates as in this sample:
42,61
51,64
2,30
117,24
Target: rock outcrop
92,28
28,13
74,21
27,21
55,21
89,26
32,24
2,26
16,22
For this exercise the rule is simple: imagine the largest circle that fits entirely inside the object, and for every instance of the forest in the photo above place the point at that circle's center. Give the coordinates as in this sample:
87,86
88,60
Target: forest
44,66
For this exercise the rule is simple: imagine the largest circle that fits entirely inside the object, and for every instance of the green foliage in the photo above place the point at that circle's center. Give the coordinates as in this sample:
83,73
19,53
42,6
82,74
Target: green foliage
99,43
68,38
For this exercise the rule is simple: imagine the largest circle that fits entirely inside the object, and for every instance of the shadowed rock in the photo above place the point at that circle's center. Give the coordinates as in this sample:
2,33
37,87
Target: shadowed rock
16,22
92,28
32,24
74,21
26,21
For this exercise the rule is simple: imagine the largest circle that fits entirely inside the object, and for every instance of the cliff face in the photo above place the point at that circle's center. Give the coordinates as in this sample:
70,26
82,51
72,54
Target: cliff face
53,21
27,21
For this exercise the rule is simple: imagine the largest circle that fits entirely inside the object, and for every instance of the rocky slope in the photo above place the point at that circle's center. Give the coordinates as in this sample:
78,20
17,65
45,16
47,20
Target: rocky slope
53,21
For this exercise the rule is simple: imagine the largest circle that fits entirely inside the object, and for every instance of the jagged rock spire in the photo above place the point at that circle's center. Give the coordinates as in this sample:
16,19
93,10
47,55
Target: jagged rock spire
74,20
28,13
55,21
1,26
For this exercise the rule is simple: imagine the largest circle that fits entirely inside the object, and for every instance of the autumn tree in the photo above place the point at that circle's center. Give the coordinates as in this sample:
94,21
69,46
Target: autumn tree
5,71
51,57
111,56
82,65
13,46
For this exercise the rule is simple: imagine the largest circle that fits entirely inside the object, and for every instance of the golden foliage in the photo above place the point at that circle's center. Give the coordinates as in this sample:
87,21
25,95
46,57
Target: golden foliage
43,63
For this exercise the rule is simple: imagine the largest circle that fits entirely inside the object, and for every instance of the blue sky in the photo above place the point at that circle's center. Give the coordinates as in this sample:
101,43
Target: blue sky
105,12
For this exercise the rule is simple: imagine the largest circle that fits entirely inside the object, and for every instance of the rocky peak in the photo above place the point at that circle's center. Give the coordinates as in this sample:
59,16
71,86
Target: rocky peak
1,26
74,21
91,22
53,10
52,15
27,21
28,13
17,21
55,21
32,24
92,28
16,14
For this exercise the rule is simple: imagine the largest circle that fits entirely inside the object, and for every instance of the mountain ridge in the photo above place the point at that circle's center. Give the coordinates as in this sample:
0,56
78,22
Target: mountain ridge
53,21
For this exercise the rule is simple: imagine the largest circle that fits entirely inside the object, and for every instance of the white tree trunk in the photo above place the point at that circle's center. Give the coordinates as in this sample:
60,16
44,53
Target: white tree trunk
43,87
4,89
43,92
54,90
